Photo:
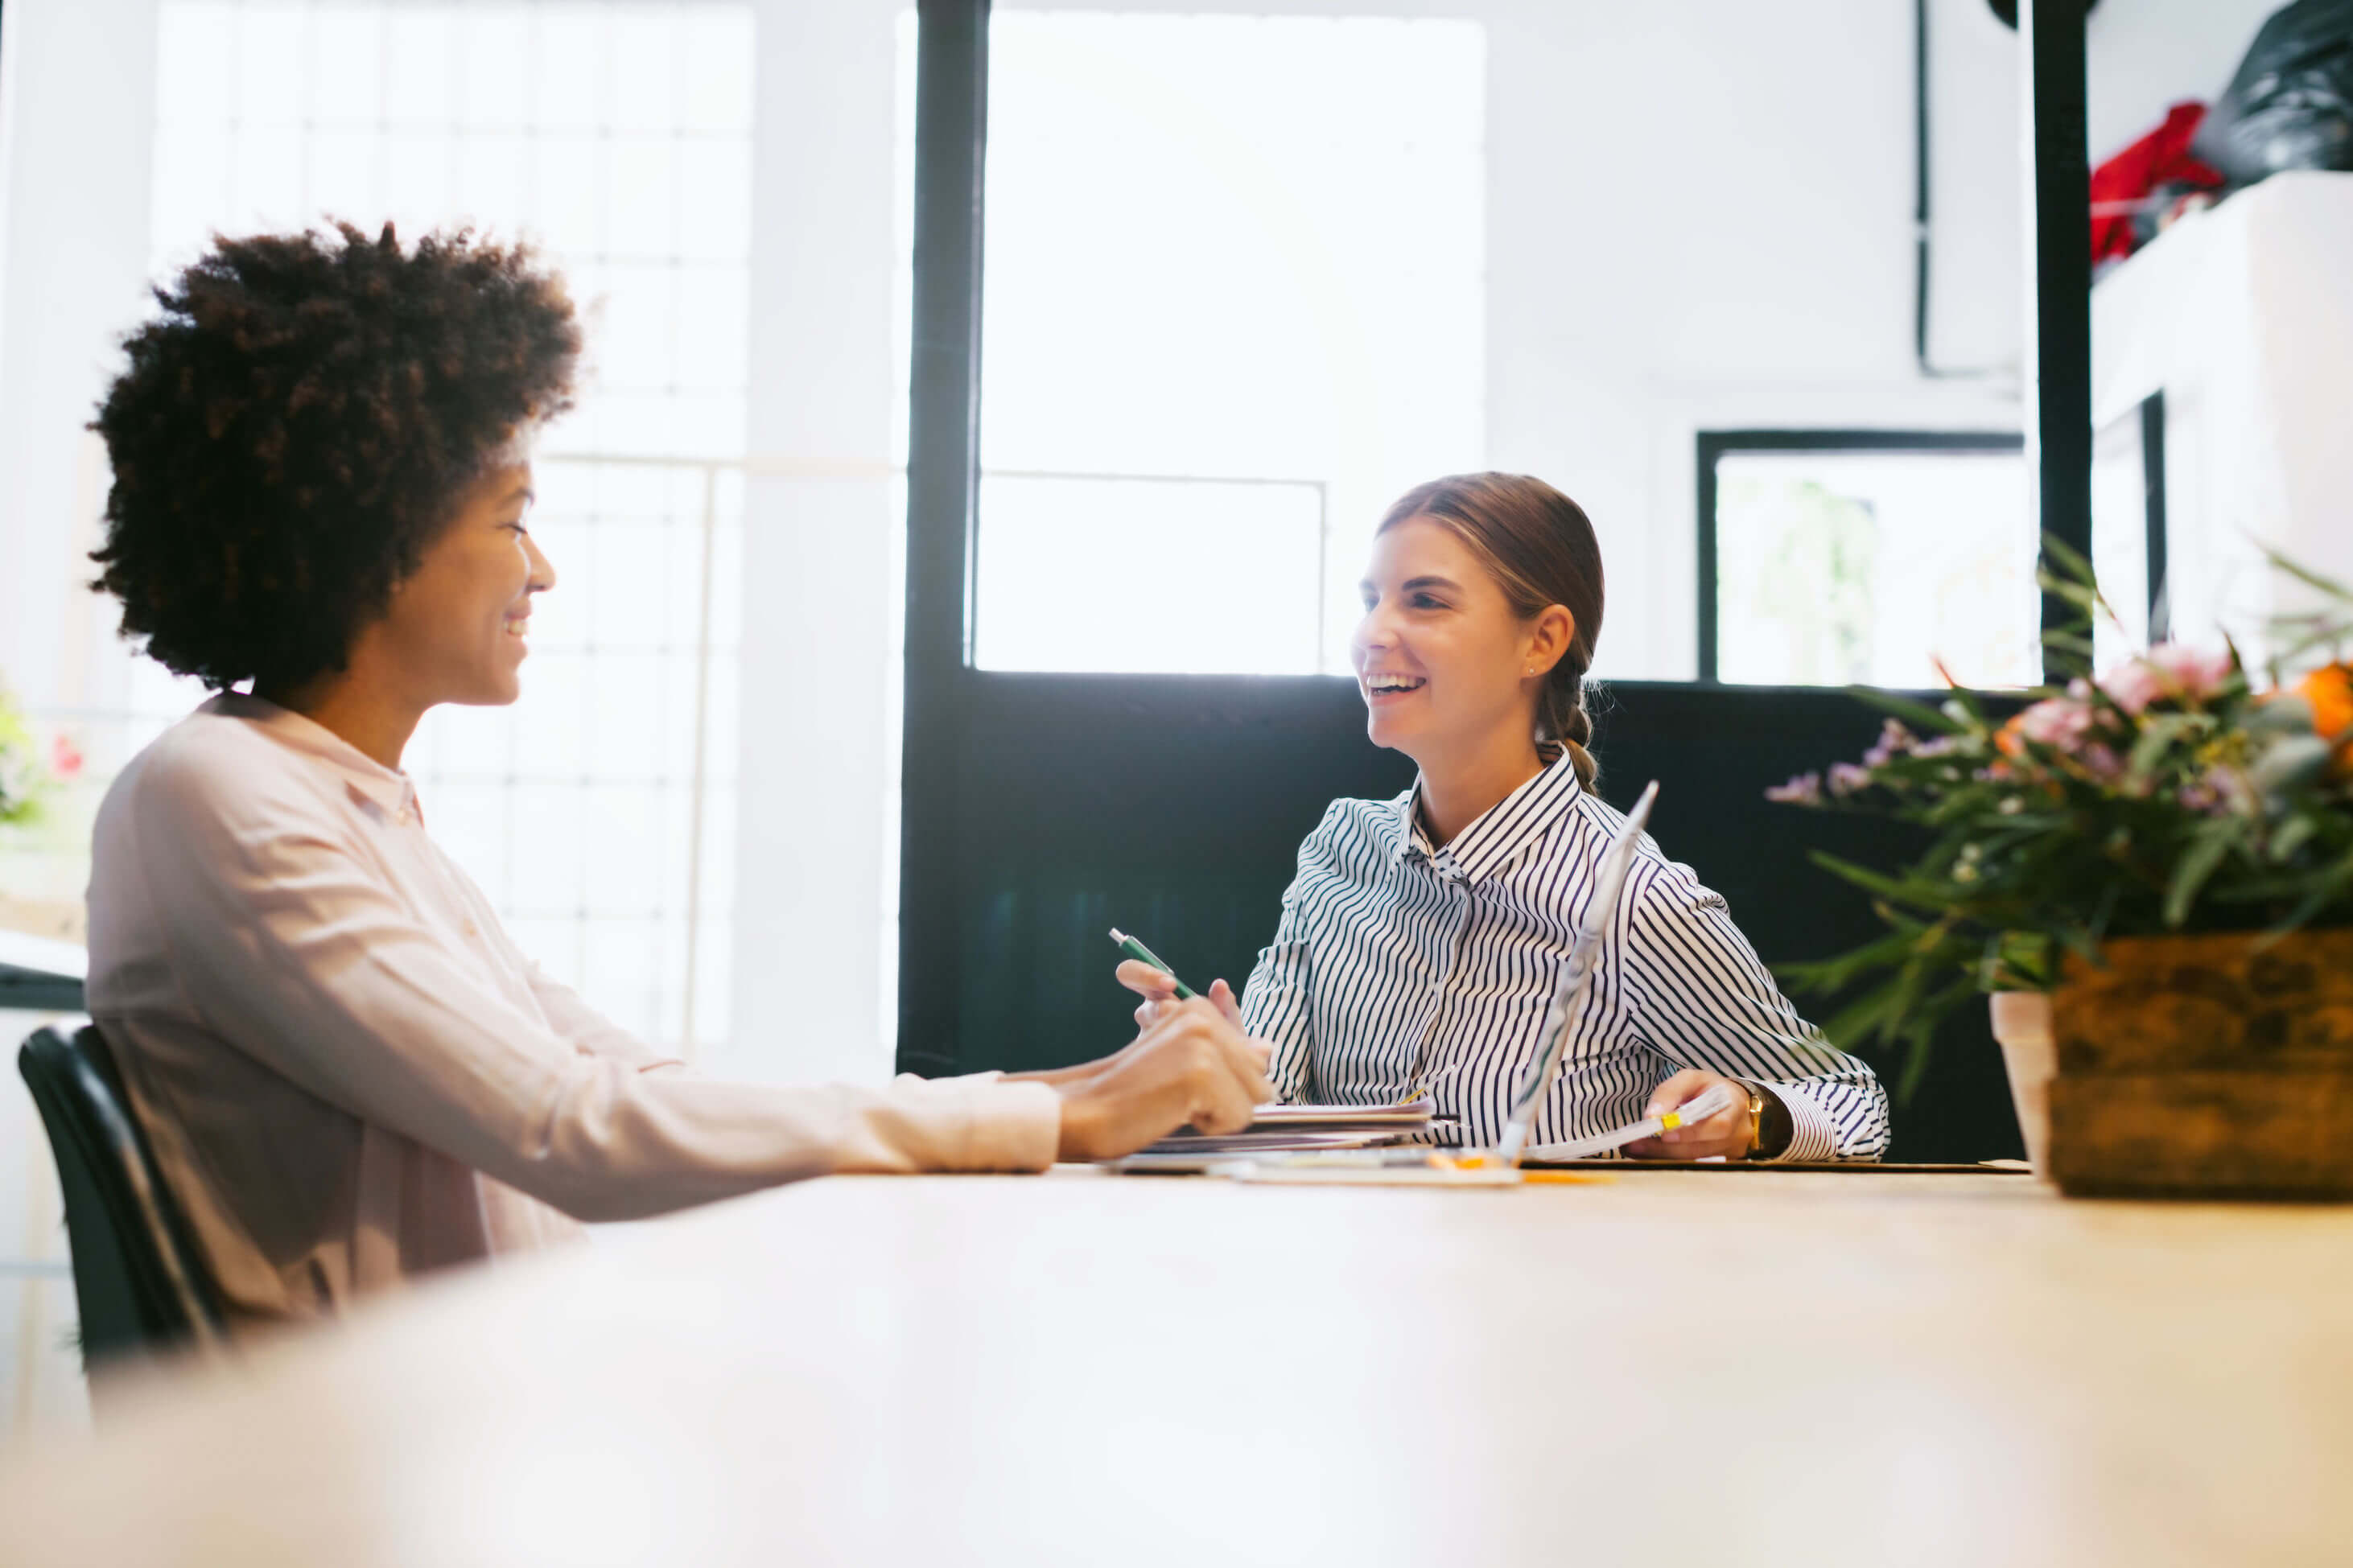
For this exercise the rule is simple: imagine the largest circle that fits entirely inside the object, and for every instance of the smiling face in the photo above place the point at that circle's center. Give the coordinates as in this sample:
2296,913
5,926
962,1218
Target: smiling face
1445,666
454,631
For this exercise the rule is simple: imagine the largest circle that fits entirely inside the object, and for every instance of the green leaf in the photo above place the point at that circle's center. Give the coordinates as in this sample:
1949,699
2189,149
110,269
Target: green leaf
2197,863
2074,567
1862,877
2332,885
2292,837
1859,1023
1919,713
2329,585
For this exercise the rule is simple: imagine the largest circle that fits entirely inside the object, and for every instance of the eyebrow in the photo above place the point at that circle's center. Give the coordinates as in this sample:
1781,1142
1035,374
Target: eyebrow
1410,584
522,492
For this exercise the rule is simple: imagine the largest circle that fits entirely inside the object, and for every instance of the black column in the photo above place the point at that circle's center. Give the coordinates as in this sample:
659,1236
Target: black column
2059,432
942,479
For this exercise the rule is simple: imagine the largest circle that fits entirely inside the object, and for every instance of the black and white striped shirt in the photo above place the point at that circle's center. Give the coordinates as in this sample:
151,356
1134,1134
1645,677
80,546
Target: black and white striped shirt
1399,967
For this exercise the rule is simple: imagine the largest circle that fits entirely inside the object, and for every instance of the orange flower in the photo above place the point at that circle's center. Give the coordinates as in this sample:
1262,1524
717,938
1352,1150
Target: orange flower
2329,690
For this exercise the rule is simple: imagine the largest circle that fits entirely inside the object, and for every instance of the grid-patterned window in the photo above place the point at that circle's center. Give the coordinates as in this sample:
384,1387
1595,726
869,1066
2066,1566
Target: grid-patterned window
598,813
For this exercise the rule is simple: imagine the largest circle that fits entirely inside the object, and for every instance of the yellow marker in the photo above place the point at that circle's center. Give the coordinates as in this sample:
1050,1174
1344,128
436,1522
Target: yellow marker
1717,1098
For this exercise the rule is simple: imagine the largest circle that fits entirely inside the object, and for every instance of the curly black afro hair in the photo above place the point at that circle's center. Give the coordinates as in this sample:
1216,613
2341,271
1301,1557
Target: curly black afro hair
297,425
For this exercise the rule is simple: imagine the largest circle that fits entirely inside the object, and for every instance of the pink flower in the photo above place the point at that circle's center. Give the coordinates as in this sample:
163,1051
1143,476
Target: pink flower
2213,793
1846,778
2167,672
2058,723
65,757
1805,789
1894,739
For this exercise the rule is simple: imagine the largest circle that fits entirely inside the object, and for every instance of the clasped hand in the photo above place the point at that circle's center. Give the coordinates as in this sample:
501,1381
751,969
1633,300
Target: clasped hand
1191,1064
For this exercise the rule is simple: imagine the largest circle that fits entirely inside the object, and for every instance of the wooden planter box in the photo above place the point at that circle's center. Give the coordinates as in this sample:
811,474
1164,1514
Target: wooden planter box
2202,1067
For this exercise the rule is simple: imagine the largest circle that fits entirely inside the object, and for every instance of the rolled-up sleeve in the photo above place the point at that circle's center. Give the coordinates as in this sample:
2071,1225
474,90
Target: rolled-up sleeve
1704,999
285,942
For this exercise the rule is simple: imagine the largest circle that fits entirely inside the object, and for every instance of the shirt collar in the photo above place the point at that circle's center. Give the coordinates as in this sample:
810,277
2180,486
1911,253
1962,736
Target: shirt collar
362,775
1496,836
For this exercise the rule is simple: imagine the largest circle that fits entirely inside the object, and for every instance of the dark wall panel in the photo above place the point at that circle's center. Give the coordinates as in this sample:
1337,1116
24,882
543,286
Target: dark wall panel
1082,806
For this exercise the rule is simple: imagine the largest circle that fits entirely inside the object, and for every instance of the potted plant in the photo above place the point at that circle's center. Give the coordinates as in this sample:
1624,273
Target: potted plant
2152,872
28,777
44,851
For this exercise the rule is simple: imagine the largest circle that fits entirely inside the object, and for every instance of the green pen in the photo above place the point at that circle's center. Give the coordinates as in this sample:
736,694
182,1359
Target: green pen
1137,949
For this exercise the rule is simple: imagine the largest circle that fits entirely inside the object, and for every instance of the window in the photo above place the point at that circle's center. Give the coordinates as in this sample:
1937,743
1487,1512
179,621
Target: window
599,814
1235,305
1885,558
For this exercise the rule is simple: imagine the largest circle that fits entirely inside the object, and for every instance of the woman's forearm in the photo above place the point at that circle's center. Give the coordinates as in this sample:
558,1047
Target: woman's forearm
1058,1078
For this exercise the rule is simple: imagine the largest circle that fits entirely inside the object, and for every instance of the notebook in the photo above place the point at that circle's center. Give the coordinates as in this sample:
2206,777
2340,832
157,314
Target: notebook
1283,1128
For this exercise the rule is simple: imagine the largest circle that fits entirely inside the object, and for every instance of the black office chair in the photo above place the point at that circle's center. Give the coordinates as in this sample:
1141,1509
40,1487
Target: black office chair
139,1280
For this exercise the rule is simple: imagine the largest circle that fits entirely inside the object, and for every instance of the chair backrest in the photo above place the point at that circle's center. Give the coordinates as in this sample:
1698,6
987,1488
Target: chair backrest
138,1280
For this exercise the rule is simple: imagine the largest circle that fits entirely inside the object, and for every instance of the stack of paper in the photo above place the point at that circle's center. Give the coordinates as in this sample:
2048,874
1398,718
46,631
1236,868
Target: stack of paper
1278,1128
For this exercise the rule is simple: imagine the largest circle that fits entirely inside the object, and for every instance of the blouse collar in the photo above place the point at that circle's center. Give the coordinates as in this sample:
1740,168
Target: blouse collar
1498,835
387,788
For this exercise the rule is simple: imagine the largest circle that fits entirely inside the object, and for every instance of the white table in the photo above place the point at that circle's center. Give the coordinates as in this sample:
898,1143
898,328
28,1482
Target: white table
1740,1368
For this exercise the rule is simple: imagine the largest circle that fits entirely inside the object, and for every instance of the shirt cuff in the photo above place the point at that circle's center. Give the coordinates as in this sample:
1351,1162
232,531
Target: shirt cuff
1812,1135
1008,1126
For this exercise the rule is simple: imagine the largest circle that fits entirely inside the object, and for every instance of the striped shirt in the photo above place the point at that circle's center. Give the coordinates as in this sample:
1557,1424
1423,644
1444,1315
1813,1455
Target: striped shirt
1399,967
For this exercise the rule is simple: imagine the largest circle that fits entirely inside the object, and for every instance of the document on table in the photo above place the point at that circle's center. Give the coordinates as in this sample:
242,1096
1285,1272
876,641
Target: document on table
1409,1114
1280,1129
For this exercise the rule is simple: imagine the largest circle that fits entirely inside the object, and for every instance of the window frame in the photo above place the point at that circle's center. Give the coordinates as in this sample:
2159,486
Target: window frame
1713,444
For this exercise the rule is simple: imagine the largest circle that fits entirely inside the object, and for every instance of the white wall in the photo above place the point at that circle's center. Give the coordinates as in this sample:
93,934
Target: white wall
73,246
81,80
818,832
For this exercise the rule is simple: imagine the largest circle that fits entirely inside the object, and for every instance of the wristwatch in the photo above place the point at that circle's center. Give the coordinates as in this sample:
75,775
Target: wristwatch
1755,1119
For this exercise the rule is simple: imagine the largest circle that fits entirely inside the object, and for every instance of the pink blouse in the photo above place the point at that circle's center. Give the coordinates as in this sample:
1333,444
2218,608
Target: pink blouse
350,1073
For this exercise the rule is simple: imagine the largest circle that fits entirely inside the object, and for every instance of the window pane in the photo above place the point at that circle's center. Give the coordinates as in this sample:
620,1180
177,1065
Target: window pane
1144,574
1220,247
1880,567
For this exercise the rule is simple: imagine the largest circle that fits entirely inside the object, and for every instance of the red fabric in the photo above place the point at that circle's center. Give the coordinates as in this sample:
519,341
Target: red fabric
2160,158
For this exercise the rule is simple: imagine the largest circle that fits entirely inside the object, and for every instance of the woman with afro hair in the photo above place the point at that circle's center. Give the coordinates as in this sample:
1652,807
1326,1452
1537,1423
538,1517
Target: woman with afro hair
350,1074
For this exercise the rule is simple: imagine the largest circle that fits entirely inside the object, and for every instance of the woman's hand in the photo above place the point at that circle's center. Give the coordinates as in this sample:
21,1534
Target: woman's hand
1724,1133
1158,989
1194,1064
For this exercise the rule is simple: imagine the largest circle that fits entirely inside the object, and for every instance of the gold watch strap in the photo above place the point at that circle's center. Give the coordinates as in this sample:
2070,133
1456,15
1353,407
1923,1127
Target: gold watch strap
1755,1119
